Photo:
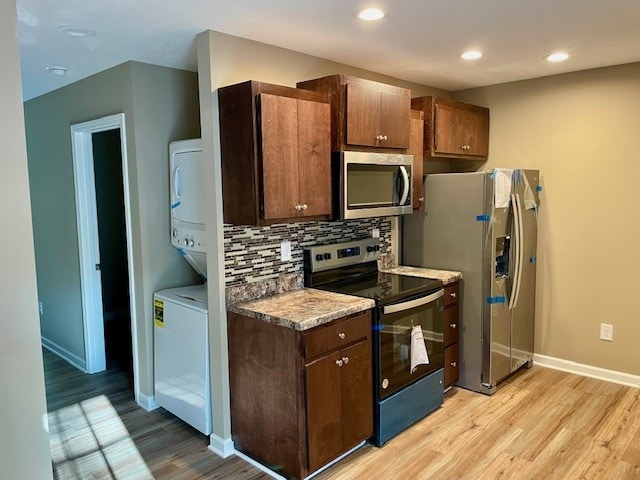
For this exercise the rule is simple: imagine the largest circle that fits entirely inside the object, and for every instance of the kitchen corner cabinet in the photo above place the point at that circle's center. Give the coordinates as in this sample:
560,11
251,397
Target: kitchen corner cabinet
276,154
365,115
453,129
300,399
451,334
416,148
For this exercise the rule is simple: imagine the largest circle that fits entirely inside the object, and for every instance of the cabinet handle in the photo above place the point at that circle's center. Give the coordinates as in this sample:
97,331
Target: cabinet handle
453,295
453,364
341,335
339,363
453,325
345,360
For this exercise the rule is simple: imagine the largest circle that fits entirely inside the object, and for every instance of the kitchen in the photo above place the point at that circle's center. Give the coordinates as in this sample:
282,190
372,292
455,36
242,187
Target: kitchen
527,137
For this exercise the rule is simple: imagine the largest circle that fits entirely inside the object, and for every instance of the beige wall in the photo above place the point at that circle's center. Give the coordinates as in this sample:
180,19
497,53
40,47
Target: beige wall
24,454
160,105
581,131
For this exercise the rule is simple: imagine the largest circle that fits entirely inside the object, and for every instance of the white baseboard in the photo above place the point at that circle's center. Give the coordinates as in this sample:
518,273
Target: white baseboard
259,466
65,354
273,474
147,402
613,376
223,447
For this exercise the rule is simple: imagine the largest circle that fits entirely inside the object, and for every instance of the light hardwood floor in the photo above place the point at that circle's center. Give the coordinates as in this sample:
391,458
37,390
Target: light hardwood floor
541,424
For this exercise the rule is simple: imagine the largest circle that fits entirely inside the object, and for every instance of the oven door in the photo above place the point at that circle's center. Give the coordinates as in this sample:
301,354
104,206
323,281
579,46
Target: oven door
394,345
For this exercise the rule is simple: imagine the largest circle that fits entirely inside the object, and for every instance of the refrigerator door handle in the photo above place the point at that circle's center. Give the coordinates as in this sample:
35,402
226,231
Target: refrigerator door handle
518,248
520,256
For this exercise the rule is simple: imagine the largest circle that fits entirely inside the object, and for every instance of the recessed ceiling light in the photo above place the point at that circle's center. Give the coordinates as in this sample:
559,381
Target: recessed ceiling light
471,55
77,31
370,14
557,57
57,70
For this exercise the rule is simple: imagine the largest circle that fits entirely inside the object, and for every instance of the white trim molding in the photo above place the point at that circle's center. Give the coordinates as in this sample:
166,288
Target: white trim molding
86,213
148,402
223,447
598,373
63,353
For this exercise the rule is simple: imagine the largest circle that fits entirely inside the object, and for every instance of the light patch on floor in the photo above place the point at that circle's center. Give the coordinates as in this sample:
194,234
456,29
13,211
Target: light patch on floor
88,440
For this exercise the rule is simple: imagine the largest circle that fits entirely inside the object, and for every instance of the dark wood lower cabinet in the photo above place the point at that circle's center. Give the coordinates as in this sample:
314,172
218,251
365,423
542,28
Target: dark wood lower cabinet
300,399
451,334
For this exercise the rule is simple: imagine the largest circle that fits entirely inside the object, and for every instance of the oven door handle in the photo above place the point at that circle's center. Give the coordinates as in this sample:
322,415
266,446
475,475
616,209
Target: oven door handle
418,302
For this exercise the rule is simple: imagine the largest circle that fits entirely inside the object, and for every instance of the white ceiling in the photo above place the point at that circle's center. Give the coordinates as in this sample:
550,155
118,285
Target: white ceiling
417,40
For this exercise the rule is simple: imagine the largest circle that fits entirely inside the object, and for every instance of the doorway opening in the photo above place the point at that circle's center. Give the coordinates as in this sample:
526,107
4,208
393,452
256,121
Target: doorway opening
103,211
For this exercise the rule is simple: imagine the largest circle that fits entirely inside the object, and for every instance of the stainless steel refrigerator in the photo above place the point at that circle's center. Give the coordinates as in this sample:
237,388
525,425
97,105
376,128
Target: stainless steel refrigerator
483,224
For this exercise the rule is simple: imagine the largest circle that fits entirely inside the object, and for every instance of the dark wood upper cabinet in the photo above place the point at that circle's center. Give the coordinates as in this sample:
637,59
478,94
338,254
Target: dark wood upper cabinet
365,115
416,149
275,144
453,129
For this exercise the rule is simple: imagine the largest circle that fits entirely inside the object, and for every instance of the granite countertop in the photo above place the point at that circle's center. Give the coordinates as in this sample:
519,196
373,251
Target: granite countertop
445,275
303,308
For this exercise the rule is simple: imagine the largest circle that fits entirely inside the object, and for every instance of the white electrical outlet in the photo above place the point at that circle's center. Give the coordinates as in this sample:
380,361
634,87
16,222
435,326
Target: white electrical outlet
285,250
41,308
606,332
375,232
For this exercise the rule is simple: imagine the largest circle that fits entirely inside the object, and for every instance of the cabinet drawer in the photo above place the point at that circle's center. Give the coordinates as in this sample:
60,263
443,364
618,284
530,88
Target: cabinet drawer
451,325
451,365
334,335
451,294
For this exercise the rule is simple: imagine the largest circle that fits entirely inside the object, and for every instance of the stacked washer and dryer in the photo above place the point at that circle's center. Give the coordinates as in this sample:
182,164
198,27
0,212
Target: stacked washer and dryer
181,332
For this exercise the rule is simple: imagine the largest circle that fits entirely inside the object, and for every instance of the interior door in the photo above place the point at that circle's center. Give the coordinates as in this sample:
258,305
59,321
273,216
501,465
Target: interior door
523,315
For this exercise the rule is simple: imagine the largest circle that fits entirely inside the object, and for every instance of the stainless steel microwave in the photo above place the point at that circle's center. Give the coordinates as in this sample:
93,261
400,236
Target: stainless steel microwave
372,184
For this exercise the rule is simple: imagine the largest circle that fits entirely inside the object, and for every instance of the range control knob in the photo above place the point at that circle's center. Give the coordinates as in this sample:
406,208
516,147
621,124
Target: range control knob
327,256
371,248
319,257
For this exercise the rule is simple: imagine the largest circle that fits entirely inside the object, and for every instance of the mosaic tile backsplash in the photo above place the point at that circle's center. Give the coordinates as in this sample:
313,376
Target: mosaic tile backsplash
252,254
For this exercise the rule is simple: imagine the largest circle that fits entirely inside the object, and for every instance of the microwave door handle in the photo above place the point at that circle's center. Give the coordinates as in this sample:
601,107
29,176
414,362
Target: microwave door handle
405,190
418,302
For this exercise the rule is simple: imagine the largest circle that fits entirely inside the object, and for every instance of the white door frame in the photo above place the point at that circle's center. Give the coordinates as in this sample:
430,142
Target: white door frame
88,246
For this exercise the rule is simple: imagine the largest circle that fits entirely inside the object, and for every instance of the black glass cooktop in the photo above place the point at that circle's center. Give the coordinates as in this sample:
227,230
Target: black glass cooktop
384,288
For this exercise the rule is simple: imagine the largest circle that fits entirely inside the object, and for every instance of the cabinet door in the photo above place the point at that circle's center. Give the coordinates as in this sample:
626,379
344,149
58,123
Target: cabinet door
314,157
279,141
452,127
357,394
416,149
395,118
324,410
480,142
363,116
451,365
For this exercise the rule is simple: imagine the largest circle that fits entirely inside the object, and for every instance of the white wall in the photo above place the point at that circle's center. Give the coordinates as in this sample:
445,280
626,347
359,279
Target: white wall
581,130
24,454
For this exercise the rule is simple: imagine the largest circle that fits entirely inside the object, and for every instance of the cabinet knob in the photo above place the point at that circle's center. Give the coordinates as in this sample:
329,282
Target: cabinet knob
453,325
345,360
453,295
304,206
339,363
384,137
341,335
421,199
298,207
453,364
379,137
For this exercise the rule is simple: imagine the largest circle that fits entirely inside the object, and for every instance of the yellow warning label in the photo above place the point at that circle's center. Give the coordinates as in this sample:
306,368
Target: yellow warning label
158,312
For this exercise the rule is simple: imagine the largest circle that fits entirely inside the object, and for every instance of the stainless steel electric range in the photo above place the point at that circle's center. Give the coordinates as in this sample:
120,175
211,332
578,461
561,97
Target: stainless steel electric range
408,384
